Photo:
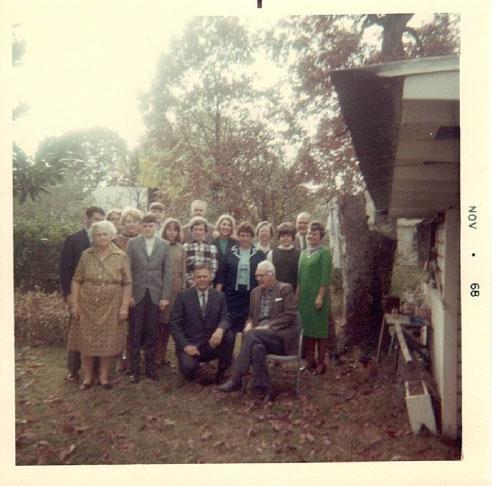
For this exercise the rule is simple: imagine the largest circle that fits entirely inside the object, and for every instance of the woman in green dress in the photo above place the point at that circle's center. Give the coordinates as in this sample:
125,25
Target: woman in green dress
315,267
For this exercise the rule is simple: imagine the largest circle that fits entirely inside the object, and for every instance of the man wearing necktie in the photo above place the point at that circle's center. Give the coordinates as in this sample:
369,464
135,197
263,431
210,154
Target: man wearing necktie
198,323
301,224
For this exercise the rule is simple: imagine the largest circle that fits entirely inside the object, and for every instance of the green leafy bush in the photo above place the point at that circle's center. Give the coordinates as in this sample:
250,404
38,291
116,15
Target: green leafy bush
40,318
37,248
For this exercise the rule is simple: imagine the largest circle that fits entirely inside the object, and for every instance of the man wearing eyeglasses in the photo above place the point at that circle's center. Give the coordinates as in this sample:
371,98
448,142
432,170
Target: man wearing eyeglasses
272,328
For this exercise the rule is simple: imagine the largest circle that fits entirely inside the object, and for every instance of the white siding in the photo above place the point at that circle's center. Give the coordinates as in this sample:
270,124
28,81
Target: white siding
445,308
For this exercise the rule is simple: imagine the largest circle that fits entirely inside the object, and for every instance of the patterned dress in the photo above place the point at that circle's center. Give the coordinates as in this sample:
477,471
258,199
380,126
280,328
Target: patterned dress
314,271
100,333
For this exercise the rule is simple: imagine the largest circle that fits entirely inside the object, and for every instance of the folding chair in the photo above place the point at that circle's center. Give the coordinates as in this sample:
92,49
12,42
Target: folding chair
297,358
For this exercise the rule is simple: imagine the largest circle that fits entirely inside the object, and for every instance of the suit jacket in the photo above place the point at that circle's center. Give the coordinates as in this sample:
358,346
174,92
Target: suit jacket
296,243
187,237
188,325
284,315
70,256
151,272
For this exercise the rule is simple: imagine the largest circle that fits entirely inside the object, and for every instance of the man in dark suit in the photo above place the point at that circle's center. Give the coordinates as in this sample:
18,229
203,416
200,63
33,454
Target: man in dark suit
301,225
70,256
199,324
150,266
272,328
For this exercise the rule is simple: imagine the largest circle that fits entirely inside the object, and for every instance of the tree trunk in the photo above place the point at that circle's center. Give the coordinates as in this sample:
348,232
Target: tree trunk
367,271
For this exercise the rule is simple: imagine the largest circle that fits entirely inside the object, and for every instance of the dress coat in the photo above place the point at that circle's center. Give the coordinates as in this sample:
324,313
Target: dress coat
188,325
72,249
149,272
283,320
221,256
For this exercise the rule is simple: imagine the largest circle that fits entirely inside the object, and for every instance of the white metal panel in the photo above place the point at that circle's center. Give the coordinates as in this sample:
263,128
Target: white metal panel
432,86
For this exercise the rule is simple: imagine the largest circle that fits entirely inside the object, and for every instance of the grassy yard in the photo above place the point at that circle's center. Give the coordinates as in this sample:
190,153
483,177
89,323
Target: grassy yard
348,414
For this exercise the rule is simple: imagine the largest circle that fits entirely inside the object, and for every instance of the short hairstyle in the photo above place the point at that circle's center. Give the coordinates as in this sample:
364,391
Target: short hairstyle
133,212
113,211
202,266
103,225
157,205
199,202
267,266
245,227
317,226
222,218
176,224
304,215
197,220
286,228
261,225
94,209
148,218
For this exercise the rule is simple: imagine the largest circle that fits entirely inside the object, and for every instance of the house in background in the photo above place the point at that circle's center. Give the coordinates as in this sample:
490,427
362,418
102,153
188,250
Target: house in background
121,197
404,120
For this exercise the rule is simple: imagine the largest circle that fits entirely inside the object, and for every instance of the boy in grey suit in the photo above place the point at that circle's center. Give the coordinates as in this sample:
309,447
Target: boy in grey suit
150,265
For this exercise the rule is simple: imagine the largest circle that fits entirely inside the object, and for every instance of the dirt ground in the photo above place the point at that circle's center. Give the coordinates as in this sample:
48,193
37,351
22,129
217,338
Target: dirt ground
351,413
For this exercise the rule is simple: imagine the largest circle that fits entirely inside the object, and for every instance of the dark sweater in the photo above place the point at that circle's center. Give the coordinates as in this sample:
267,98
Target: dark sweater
286,263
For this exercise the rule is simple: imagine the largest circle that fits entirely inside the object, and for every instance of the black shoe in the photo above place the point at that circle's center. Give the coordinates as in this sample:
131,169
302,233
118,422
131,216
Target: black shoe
206,381
153,376
269,396
73,377
230,386
219,377
107,386
134,378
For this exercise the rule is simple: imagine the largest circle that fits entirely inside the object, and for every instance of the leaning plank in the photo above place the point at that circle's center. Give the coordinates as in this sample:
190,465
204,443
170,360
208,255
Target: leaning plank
405,352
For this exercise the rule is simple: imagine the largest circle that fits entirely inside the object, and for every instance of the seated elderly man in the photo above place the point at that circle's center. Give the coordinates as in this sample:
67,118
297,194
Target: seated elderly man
272,328
198,324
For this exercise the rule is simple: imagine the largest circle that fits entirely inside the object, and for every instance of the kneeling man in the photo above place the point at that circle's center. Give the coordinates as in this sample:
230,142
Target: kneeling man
272,328
198,324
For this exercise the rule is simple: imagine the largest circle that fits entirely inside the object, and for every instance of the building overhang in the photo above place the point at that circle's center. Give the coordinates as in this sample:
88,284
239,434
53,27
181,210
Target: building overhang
404,120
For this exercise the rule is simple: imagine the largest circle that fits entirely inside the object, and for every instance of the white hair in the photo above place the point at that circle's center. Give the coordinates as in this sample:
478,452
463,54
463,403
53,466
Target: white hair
199,202
304,215
267,266
104,225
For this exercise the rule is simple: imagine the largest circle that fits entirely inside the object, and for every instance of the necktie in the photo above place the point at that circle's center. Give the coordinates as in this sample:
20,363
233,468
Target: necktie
203,303
304,242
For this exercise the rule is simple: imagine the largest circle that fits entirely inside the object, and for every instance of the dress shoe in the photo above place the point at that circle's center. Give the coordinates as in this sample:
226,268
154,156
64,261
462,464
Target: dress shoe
230,386
320,369
107,386
308,367
134,378
269,396
219,377
73,377
153,376
85,386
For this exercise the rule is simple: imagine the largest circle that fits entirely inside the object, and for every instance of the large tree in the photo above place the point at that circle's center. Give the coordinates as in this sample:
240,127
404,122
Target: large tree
91,157
209,129
311,47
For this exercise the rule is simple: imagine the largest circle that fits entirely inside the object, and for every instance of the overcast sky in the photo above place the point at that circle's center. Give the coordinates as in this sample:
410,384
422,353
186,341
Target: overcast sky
86,62
84,67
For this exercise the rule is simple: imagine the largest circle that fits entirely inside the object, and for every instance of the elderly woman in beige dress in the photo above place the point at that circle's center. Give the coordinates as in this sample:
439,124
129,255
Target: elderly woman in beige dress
100,295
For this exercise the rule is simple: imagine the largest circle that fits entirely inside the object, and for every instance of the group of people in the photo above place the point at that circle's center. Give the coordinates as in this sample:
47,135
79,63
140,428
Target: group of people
133,279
